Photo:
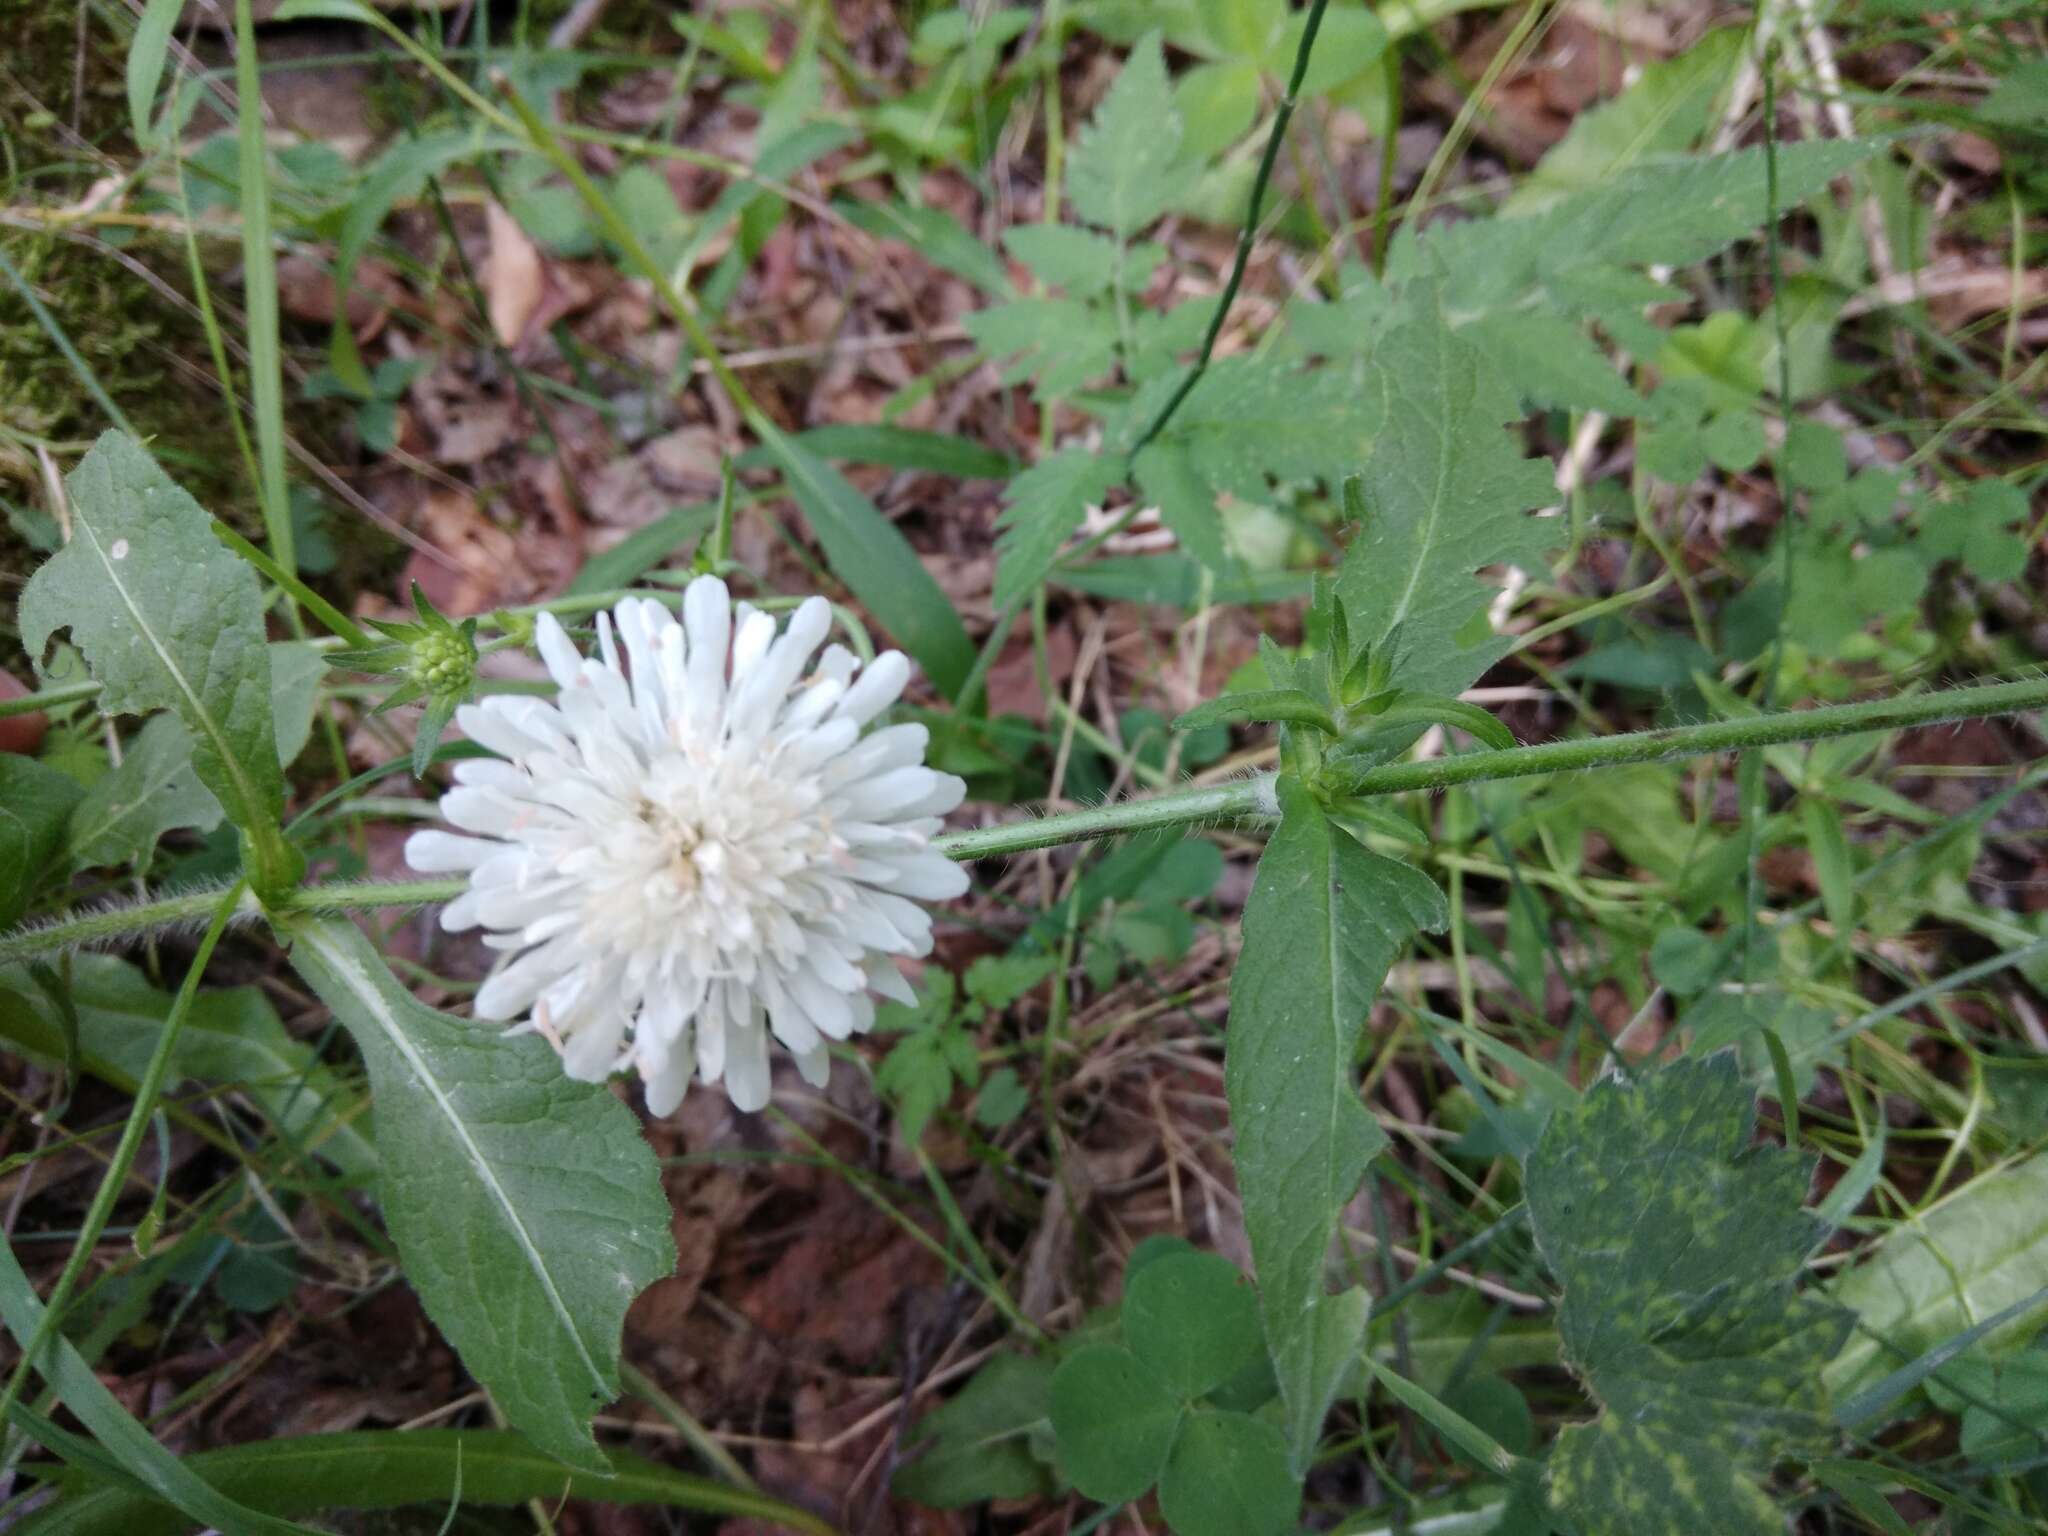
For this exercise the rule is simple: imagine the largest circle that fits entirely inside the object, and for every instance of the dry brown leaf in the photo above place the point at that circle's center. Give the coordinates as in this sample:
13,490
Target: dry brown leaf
513,277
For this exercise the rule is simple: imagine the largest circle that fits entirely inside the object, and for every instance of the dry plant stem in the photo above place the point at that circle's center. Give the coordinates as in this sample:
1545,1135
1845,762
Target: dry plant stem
1249,799
146,1094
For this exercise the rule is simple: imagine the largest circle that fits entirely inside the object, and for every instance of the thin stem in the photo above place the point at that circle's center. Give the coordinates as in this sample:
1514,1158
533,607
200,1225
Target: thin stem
1249,799
146,1094
1246,235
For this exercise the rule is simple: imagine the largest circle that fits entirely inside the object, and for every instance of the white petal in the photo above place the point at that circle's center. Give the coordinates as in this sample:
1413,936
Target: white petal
557,650
441,853
509,990
881,683
815,1065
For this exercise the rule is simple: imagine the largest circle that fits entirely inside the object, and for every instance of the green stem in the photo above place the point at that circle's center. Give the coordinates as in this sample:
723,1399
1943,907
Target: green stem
1245,236
146,1094
1250,799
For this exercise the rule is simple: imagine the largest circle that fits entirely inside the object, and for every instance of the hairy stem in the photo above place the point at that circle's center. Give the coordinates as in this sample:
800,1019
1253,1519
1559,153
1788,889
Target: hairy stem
1249,799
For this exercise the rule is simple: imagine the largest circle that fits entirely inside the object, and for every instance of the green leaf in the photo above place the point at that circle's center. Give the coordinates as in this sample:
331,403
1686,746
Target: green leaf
1125,170
977,1446
1114,1419
641,550
145,70
905,448
1194,1319
1078,260
1068,343
1678,1243
119,1437
1255,419
1186,502
232,1037
1981,1250
1046,503
1446,492
1228,1476
388,1469
1293,706
866,552
526,1207
36,805
936,236
295,672
1665,112
1553,362
167,619
1325,920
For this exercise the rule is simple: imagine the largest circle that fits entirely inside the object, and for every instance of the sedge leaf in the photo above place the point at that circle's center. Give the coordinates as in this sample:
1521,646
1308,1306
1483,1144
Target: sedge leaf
526,1207
388,1469
1324,922
1678,1242
866,552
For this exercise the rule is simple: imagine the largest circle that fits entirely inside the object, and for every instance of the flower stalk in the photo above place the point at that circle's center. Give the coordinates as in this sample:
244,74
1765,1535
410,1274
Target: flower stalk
1247,799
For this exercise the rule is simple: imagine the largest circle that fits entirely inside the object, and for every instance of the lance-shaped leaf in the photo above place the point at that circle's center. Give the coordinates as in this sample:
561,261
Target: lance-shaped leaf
1325,920
526,1207
1678,1242
167,619
1446,492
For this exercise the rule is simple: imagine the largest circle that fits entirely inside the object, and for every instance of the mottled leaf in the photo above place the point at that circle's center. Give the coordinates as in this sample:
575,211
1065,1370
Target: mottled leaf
527,1208
1678,1242
1325,920
153,791
167,619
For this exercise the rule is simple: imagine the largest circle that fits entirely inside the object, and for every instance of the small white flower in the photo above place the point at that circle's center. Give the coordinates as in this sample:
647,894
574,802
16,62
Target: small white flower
695,846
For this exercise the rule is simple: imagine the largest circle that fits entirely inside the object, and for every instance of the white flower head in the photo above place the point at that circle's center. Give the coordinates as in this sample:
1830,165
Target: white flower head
695,845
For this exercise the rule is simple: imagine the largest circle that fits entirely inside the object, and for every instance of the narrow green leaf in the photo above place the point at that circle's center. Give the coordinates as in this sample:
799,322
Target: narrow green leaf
146,53
167,619
113,1427
1978,1252
942,453
153,791
1446,492
1046,504
36,805
527,1208
1678,1242
259,291
866,551
388,1469
1833,865
1325,920
232,1037
1485,1451
1293,706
